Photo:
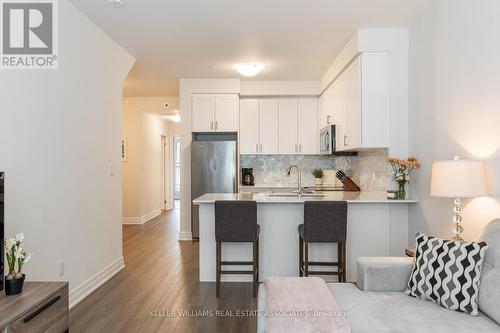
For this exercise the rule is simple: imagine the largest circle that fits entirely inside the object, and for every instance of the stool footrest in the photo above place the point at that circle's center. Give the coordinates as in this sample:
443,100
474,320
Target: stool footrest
237,272
320,263
236,263
323,273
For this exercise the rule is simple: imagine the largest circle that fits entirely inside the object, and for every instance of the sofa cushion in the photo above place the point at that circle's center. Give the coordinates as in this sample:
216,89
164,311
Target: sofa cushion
396,312
447,273
393,312
489,291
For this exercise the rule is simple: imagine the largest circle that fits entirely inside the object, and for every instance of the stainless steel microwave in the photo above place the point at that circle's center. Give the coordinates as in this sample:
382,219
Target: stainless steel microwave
327,142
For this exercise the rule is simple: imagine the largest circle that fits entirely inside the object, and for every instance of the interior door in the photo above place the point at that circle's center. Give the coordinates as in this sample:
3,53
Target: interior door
288,138
249,126
203,113
226,113
268,125
308,131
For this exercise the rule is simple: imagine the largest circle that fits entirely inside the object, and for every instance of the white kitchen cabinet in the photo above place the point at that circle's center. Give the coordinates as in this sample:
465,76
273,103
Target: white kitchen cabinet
249,126
203,113
259,126
308,134
215,112
268,126
285,126
288,126
226,113
358,103
298,129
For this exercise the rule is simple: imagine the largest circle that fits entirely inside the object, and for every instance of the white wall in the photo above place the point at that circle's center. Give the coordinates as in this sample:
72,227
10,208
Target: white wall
279,88
454,104
186,89
60,133
143,170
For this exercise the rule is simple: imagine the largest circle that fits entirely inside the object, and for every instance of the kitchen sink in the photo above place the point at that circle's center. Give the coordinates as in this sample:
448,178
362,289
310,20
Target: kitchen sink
295,195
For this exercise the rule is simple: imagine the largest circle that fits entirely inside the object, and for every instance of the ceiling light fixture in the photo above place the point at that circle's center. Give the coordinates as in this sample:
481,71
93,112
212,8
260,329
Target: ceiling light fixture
249,68
116,3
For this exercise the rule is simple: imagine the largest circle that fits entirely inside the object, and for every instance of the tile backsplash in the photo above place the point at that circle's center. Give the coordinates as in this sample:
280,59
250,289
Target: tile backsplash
369,169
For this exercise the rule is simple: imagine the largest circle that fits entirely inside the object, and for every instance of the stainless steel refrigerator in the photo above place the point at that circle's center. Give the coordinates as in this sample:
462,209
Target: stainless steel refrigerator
213,170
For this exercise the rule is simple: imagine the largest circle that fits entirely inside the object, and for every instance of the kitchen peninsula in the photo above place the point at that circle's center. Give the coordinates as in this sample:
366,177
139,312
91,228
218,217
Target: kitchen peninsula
376,226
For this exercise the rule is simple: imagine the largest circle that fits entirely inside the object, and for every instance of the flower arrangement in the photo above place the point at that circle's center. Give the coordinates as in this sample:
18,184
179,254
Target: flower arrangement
16,254
402,170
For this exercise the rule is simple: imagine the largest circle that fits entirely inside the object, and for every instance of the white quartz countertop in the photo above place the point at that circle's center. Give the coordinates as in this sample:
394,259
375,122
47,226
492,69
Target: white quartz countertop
350,197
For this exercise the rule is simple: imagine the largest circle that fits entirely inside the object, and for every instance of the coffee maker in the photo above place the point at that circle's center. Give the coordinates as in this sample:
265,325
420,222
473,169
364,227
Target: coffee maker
247,177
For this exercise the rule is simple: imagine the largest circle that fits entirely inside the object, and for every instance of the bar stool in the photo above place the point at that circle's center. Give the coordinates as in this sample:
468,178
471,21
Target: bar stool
324,222
236,222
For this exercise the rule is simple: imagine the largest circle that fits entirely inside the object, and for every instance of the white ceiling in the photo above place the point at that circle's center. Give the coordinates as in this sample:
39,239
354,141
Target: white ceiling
295,39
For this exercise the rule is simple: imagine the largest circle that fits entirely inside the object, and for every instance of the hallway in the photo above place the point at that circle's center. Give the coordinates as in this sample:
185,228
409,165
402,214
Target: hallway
160,276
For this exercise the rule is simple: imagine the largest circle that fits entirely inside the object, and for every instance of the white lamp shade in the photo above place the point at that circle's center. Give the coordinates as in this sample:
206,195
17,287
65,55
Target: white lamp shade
492,171
458,178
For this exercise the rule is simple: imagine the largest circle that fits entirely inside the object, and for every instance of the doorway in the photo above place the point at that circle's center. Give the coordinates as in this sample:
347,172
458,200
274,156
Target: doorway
164,173
177,169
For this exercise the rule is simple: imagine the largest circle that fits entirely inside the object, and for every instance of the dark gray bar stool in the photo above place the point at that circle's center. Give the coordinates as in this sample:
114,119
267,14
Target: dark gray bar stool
324,222
236,222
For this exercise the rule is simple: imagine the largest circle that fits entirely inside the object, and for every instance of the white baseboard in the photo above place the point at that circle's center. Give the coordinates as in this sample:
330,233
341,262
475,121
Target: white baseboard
185,236
142,219
151,215
79,293
131,220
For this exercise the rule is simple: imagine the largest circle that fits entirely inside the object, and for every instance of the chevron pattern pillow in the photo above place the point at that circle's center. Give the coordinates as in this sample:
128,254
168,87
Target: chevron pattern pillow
447,273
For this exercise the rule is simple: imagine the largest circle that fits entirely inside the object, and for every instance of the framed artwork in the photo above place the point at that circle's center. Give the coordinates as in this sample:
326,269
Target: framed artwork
124,149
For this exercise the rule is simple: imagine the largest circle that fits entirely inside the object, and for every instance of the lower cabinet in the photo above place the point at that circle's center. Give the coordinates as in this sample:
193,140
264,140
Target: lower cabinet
41,307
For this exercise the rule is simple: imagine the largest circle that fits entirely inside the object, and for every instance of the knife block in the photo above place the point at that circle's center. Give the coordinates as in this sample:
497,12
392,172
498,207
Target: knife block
350,185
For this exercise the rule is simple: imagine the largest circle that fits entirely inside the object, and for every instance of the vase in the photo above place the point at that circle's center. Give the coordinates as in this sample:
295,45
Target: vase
318,181
401,193
14,286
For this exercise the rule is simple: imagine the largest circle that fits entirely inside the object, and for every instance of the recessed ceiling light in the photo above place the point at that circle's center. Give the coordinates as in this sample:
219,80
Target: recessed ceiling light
116,3
249,68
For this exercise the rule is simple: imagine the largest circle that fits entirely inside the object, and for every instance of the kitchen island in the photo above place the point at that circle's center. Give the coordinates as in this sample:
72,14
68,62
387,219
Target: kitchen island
376,226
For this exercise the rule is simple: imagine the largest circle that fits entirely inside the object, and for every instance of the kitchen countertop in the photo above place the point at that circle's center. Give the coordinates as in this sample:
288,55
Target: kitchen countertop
350,197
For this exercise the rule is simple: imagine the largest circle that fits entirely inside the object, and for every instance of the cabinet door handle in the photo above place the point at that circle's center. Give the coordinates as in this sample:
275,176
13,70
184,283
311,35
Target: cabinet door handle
215,127
261,147
345,140
211,125
41,309
300,148
256,147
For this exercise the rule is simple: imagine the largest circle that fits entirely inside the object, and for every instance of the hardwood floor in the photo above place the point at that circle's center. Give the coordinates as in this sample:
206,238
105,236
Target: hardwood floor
160,278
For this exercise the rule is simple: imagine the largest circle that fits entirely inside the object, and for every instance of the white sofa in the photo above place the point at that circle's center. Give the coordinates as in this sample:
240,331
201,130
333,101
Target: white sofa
378,304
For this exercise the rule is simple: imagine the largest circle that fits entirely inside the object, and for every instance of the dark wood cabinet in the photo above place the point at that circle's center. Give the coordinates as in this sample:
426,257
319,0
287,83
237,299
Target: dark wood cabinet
42,307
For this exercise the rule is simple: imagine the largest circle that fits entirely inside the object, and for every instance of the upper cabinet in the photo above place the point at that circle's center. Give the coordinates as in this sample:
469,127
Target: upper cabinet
268,126
357,103
279,126
215,112
249,126
288,126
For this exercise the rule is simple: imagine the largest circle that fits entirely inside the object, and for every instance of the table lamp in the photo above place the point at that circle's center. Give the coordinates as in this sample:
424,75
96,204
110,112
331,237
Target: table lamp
458,179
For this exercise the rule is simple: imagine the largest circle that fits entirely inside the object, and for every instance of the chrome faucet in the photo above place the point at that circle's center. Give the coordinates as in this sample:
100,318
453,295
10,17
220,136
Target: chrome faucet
299,184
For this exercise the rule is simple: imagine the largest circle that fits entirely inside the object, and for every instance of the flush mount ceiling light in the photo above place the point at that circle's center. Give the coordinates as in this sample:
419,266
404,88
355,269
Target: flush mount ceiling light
116,3
249,68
